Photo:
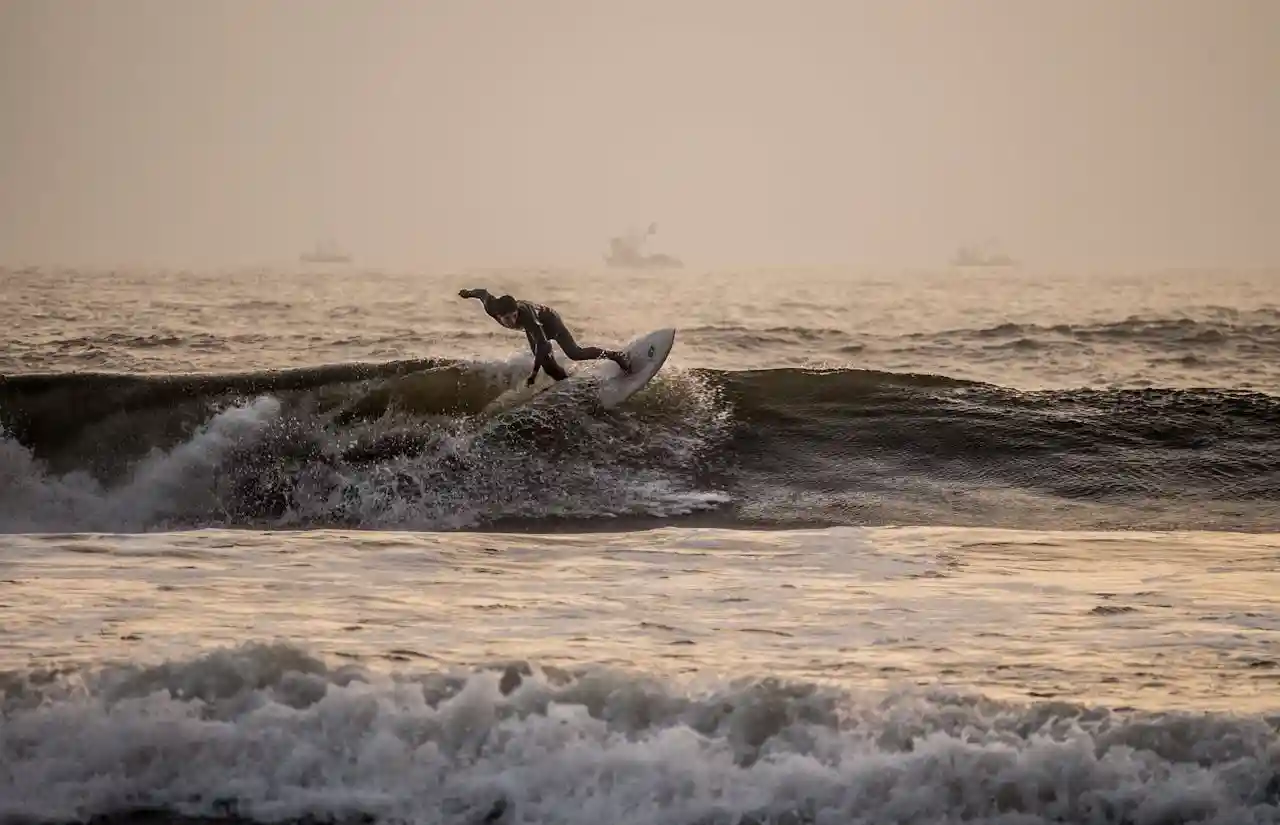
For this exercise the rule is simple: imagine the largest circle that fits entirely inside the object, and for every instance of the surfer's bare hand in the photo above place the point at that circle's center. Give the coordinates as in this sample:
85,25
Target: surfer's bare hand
464,293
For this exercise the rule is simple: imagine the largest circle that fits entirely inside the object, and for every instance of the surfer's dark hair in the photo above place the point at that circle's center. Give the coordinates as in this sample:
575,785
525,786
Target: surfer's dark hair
504,304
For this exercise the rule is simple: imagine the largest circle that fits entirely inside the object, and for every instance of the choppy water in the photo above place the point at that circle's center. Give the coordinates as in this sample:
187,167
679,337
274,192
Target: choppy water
874,547
1015,329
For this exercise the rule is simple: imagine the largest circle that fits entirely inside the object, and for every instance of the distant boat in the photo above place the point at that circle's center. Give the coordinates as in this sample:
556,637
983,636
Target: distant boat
625,253
325,254
976,256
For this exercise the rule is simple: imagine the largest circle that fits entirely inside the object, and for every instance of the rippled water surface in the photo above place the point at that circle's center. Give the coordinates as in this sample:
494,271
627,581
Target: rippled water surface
1012,328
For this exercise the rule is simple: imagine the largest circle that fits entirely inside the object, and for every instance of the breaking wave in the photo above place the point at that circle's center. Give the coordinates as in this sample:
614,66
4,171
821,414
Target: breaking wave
446,444
270,733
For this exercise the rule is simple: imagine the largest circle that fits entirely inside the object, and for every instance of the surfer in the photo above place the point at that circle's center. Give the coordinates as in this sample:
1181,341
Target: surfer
542,325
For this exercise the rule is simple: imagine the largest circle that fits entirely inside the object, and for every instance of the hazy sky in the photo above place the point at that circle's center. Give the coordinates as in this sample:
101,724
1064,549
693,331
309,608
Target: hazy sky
476,132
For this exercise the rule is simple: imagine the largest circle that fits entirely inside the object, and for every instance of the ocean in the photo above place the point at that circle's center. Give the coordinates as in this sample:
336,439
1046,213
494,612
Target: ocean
955,546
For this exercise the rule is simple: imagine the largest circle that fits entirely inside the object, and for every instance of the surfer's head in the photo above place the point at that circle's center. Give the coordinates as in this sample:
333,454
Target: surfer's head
506,311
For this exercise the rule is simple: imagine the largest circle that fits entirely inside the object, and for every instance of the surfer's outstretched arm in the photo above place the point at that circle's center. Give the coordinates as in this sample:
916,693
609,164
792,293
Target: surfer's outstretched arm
488,299
482,294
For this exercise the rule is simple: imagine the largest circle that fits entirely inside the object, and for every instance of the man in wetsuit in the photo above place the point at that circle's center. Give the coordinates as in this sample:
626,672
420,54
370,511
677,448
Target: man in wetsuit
542,325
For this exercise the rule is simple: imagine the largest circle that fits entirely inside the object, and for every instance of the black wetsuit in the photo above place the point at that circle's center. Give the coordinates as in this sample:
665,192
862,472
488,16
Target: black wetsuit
541,325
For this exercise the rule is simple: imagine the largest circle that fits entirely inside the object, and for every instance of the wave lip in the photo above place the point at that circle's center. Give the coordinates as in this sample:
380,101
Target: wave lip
268,733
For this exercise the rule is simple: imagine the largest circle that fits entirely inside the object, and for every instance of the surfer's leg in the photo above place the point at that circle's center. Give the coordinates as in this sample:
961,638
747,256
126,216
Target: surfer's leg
558,332
552,368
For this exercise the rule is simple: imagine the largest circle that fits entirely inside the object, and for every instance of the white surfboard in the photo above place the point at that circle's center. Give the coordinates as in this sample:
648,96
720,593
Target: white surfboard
648,354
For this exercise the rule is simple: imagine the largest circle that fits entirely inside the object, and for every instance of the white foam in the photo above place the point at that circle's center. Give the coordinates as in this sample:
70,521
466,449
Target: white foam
269,733
577,475
252,466
163,485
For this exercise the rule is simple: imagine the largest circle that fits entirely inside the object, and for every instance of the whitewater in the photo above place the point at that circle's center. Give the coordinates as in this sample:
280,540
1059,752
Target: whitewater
912,547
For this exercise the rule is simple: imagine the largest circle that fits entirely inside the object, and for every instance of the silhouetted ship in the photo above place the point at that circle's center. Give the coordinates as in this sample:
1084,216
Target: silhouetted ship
325,254
976,256
625,253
